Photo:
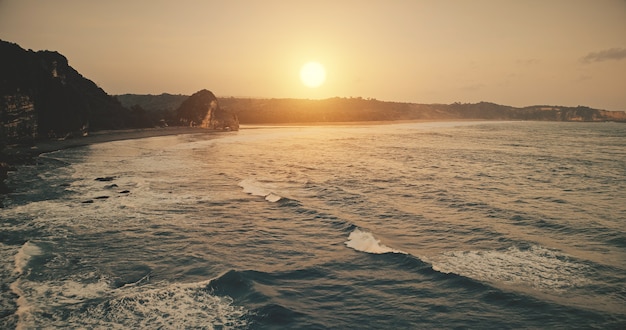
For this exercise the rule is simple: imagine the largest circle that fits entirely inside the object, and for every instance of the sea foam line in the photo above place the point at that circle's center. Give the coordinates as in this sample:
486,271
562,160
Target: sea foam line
536,267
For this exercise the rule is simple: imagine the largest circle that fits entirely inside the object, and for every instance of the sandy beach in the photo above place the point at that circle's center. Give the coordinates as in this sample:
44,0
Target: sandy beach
44,146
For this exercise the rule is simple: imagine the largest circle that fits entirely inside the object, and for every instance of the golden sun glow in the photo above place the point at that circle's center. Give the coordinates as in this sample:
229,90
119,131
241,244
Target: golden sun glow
313,74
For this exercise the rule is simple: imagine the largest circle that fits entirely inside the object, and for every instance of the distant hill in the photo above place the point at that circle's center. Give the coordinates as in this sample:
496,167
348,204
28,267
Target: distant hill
256,111
337,109
159,109
153,103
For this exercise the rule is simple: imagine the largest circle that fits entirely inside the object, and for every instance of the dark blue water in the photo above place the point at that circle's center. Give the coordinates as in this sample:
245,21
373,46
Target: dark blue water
426,225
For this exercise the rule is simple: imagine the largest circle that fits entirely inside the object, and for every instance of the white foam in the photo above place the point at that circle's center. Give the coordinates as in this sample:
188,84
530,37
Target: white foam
253,187
536,267
366,242
273,198
147,306
23,256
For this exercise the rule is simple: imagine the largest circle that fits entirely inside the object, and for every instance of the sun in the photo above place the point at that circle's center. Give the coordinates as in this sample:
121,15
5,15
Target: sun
313,74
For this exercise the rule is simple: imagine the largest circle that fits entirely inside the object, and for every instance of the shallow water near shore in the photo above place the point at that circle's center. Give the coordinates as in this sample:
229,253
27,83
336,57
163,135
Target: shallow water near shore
414,225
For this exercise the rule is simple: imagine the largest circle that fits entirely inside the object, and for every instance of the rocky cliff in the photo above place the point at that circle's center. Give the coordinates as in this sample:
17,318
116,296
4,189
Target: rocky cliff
202,109
41,95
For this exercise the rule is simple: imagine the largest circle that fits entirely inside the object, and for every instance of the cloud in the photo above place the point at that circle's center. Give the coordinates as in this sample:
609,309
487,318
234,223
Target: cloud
605,55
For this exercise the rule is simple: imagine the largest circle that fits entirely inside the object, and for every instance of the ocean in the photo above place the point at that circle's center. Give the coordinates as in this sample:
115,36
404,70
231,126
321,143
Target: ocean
467,225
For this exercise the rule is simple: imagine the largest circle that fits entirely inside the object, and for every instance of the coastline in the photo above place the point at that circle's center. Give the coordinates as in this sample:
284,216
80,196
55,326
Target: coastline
49,145
18,154
15,155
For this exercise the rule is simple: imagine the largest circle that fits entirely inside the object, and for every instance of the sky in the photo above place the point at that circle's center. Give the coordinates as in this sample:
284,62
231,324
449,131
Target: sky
511,52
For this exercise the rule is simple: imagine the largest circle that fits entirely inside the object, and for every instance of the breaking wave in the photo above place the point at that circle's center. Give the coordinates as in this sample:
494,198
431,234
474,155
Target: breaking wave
97,304
536,267
256,188
366,242
24,255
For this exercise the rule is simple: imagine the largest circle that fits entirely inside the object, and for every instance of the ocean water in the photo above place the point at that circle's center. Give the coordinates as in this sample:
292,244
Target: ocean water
473,225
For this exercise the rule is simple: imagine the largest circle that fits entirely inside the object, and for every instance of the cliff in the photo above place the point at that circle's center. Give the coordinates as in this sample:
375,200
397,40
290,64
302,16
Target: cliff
202,110
41,95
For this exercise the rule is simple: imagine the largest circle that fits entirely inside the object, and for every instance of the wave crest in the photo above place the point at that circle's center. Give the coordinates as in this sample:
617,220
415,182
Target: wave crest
256,188
366,242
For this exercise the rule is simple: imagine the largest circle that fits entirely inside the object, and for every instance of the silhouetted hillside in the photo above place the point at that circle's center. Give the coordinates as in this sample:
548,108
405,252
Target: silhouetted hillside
162,102
42,95
158,108
255,111
267,111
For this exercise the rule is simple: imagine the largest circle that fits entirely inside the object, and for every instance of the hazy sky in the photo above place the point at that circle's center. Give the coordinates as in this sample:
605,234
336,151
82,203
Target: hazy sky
518,52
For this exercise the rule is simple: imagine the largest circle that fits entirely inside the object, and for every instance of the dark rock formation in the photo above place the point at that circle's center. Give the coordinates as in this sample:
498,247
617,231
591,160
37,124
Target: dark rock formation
41,95
202,110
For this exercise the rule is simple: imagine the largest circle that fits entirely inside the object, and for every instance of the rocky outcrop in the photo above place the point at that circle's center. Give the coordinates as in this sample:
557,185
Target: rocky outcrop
19,119
202,110
41,95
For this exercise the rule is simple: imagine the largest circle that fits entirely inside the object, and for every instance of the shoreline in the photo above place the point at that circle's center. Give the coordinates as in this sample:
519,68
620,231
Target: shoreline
16,155
50,145
361,123
19,154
